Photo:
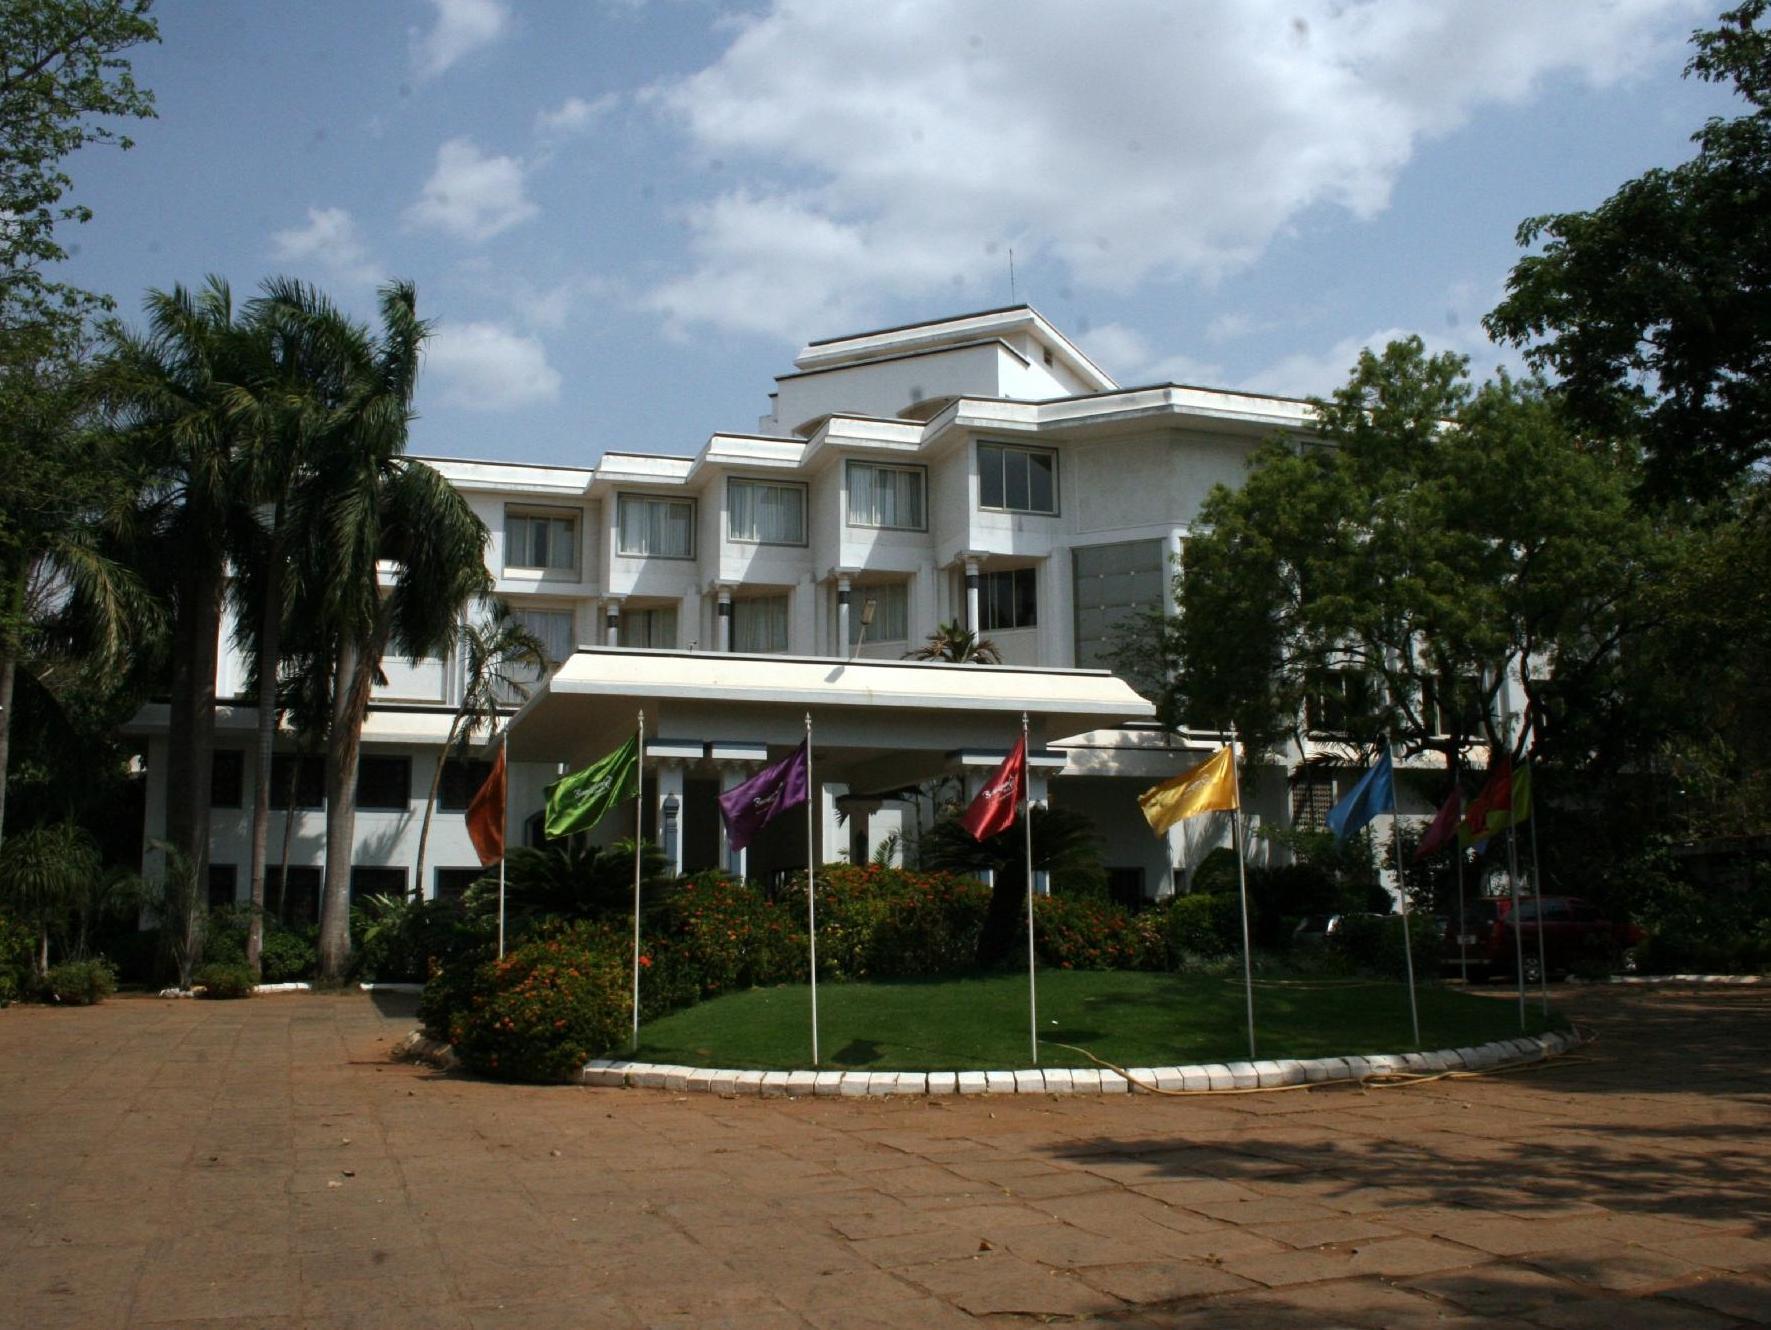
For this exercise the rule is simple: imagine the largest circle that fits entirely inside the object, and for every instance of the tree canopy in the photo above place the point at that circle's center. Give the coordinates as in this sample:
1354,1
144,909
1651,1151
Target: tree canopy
1653,310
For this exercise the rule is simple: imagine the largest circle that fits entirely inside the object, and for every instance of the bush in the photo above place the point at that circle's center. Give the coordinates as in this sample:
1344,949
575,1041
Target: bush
547,1008
716,934
880,922
80,983
1093,935
17,942
1374,944
224,980
1202,924
286,955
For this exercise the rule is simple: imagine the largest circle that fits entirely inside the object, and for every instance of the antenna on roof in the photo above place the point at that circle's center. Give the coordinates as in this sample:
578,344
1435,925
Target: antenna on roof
1011,275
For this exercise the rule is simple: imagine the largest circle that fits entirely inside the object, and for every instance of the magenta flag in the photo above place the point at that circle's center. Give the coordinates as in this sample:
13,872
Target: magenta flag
750,807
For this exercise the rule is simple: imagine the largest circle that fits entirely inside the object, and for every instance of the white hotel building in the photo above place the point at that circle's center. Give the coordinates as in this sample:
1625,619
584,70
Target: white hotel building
979,469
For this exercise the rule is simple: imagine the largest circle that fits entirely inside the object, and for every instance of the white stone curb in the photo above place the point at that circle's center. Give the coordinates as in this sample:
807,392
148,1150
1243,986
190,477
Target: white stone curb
389,988
1653,979
614,1072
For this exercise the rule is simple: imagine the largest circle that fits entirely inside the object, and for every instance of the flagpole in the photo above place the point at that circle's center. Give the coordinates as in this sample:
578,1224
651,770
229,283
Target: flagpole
1402,893
1027,821
1242,884
1518,928
506,830
1457,790
640,840
811,875
1543,967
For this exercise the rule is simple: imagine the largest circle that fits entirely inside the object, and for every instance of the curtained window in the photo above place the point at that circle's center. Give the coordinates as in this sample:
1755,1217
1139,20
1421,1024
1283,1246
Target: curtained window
886,496
891,612
661,528
765,514
759,624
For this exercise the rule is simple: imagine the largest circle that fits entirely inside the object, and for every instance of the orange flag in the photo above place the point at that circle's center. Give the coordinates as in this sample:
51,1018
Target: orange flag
485,815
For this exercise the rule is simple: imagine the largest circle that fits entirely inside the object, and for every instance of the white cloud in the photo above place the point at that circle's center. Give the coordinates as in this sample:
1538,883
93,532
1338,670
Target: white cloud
462,26
1319,373
1165,141
1126,354
329,242
471,195
572,116
487,367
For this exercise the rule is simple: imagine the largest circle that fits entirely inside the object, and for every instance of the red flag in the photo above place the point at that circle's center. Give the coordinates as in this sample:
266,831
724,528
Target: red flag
1496,797
993,811
1443,827
485,815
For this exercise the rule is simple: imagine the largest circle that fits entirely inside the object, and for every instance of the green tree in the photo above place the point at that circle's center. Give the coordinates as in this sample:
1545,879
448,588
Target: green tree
1432,542
43,874
1653,310
498,657
956,643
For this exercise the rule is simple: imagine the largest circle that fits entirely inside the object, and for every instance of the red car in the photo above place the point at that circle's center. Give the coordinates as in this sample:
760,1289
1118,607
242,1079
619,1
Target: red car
1573,930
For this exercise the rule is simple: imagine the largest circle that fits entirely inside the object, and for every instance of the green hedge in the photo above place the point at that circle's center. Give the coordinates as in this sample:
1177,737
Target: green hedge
80,983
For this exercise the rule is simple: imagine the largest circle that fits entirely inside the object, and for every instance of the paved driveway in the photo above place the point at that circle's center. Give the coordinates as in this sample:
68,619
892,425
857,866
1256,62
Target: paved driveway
263,1164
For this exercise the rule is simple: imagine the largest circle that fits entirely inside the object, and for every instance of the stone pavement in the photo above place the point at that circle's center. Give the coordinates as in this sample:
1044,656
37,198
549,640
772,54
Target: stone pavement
262,1164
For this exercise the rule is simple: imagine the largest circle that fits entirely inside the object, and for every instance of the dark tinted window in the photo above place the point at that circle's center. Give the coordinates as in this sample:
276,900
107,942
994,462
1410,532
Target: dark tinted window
301,775
224,880
296,903
227,780
384,782
452,883
461,781
367,880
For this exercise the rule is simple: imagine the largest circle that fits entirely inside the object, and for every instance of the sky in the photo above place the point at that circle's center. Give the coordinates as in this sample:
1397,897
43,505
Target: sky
625,217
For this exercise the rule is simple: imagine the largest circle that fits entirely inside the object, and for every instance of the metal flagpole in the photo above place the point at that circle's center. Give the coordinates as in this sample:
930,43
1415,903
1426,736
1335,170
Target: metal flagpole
1457,790
811,881
1242,883
1518,927
1402,893
505,817
1543,968
639,841
1027,823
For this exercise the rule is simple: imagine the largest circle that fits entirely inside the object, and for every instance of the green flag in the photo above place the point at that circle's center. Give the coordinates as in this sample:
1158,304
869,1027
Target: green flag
579,801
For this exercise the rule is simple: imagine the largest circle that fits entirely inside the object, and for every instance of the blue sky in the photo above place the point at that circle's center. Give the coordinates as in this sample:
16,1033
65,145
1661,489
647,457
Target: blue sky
625,216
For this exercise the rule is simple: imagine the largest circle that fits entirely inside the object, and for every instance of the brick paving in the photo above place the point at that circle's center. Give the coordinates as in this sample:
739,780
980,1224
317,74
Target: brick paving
263,1164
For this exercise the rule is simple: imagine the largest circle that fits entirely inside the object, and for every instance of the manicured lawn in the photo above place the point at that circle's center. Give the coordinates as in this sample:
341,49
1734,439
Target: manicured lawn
1129,1019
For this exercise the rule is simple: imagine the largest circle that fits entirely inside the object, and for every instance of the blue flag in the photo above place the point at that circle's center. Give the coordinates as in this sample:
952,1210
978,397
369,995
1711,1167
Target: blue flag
1375,793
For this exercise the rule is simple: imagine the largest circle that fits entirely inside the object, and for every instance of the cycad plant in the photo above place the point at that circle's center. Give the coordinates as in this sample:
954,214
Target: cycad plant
954,642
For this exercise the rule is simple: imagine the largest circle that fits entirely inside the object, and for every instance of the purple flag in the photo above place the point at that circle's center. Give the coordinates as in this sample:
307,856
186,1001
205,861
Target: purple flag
750,807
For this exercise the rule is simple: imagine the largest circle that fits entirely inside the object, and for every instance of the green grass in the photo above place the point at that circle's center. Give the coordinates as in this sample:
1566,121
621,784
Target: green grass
1129,1019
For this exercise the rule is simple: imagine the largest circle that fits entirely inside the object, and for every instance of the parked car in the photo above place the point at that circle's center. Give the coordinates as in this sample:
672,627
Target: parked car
1572,929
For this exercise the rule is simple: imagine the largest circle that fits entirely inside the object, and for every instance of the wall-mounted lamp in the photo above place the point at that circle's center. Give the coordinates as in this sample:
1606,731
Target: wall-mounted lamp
867,608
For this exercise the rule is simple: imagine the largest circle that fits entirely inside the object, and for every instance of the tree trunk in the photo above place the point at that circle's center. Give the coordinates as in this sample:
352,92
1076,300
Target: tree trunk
430,803
353,683
8,672
1002,921
191,742
270,633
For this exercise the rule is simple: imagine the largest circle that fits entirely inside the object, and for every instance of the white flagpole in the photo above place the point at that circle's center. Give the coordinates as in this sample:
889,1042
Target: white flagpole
1543,967
1242,884
1518,927
639,840
501,858
1027,823
1457,790
1402,893
811,882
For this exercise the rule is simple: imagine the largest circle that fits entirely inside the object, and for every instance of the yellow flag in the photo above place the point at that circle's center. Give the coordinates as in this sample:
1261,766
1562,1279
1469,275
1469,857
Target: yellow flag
1209,787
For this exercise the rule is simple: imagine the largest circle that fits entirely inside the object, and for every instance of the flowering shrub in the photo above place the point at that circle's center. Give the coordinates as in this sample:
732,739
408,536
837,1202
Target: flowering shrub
1077,934
876,922
547,1008
714,934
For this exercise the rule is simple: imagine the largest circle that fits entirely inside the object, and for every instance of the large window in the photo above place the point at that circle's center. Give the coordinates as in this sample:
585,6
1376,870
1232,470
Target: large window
384,782
1009,599
556,630
292,894
661,528
1020,480
541,538
649,628
759,624
886,496
1343,702
372,880
452,883
765,513
298,780
227,778
462,778
891,612
224,883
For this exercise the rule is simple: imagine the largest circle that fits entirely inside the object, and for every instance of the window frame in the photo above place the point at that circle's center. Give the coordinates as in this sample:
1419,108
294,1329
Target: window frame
624,497
848,507
404,761
785,600
1029,450
805,505
986,601
227,777
542,512
858,597
458,775
309,772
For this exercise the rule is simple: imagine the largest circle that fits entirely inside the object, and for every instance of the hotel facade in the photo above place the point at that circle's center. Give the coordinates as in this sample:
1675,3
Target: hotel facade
978,469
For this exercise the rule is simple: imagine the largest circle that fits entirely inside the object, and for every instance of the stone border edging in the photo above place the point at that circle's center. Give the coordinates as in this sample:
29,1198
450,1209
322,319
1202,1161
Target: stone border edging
1658,979
1265,1074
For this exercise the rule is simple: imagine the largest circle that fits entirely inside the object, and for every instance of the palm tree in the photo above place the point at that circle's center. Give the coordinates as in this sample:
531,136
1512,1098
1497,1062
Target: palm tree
361,505
498,655
43,873
957,643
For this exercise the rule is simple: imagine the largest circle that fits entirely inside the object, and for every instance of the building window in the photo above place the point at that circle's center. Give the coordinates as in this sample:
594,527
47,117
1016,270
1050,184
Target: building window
451,884
1311,798
764,513
292,894
462,778
759,624
227,778
541,538
1018,480
1345,701
1009,599
384,782
660,528
1461,714
886,496
224,881
298,780
649,628
891,612
557,631
372,880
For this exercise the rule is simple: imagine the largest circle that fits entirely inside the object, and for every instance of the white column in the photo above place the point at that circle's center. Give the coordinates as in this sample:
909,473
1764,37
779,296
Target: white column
688,621
731,775
1036,798
723,609
842,614
972,619
924,609
612,622
802,613
1054,578
1171,569
667,785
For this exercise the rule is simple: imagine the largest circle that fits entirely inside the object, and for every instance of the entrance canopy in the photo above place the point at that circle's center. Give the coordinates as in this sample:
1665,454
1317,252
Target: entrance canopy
877,725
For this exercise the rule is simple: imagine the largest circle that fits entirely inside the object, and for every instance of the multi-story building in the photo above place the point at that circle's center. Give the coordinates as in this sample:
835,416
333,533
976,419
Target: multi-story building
978,469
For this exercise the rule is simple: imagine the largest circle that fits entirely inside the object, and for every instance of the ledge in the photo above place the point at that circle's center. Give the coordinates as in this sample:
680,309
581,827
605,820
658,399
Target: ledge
1205,1079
